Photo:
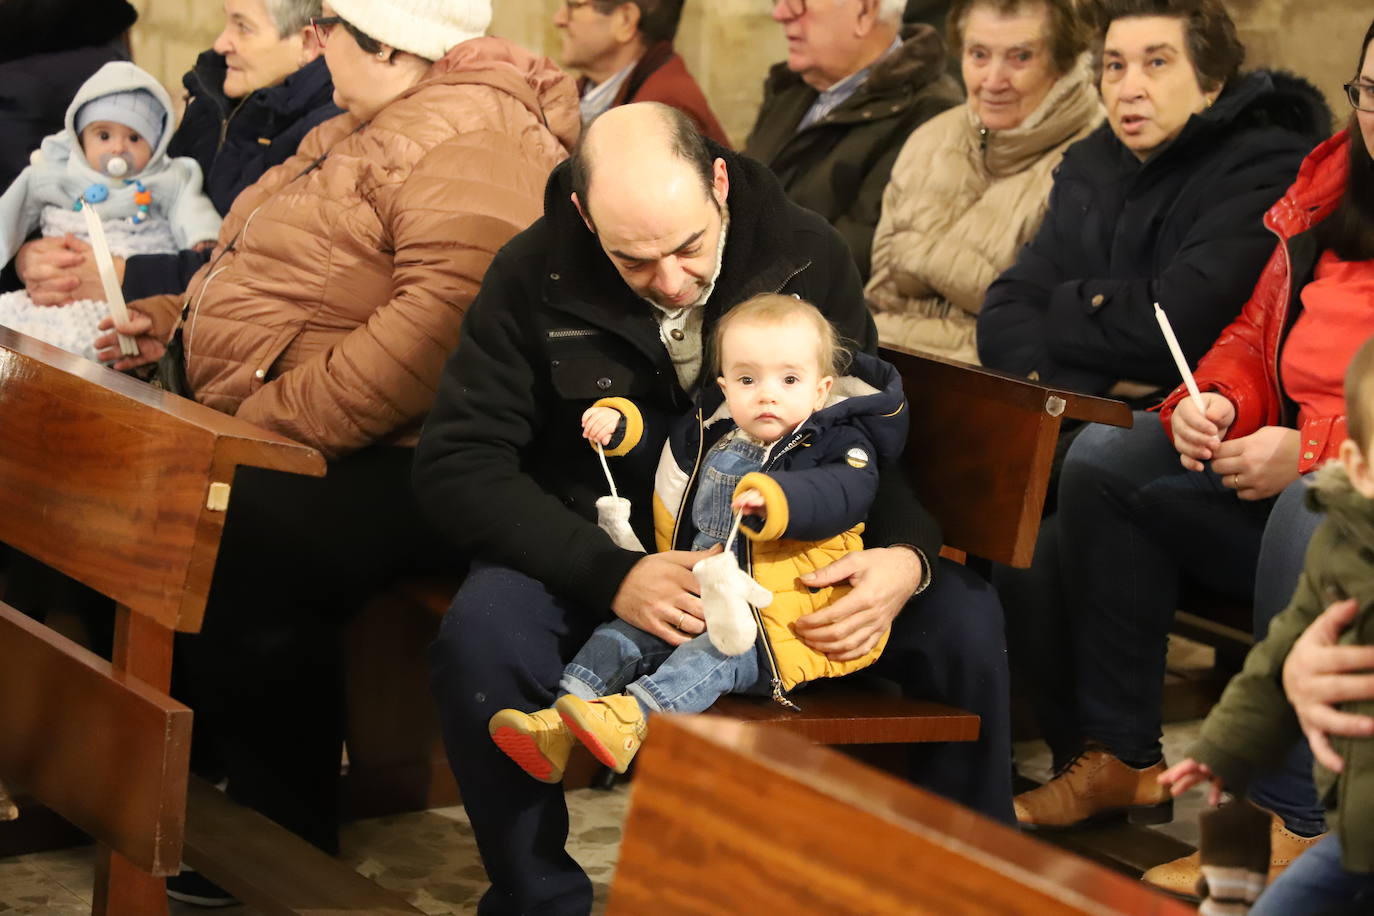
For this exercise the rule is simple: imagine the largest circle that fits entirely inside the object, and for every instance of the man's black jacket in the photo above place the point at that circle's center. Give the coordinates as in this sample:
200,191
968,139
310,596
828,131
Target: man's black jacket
502,468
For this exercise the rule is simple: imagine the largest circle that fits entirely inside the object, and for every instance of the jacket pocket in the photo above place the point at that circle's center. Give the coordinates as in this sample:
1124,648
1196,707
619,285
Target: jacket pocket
265,360
588,364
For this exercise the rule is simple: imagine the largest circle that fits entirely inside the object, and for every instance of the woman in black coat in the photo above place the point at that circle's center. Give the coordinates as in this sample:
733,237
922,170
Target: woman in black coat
1163,204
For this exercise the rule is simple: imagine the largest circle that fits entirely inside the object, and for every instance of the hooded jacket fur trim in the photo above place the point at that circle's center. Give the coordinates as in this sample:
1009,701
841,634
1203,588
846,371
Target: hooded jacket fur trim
961,202
343,274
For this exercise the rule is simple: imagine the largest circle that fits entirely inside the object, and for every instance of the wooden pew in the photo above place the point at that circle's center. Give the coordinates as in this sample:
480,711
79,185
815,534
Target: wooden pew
979,451
728,819
124,488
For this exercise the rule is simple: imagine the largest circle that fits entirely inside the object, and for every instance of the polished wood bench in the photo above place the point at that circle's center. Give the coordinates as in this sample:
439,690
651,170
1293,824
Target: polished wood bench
125,489
728,819
979,453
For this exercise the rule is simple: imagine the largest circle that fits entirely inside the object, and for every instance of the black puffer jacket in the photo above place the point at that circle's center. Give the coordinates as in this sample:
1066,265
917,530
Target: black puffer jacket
840,165
235,141
501,468
1184,229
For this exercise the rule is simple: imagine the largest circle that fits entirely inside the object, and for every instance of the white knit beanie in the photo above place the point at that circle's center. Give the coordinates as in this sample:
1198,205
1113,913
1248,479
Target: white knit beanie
428,28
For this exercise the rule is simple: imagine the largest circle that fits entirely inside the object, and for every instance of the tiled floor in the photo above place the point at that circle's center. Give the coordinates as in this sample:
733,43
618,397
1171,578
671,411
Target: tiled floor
429,857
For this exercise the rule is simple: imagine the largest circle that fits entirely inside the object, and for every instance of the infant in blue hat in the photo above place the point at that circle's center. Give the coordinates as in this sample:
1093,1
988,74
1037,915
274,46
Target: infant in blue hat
112,158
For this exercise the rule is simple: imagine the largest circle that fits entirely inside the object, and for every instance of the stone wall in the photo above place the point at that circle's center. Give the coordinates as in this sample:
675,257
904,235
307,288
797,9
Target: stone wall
729,44
170,33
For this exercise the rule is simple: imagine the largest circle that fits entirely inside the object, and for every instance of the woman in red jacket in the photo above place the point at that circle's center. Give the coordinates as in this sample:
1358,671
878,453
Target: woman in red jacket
1217,497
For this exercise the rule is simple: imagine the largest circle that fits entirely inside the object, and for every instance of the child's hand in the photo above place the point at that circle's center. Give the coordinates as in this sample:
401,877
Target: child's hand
207,245
1184,775
750,501
599,423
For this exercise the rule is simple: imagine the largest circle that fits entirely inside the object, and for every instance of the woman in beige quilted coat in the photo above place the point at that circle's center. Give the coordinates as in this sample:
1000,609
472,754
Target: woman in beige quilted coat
971,185
334,295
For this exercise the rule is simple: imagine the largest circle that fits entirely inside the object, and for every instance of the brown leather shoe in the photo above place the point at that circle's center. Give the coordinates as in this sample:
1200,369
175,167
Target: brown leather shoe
1180,876
1096,786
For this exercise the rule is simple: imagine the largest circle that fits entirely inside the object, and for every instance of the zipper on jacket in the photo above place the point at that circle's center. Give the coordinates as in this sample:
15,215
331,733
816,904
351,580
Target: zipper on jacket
1287,304
779,696
687,491
788,279
573,332
224,123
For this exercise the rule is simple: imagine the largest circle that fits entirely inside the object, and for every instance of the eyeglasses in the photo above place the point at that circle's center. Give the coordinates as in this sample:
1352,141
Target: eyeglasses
323,25
794,8
572,6
1361,95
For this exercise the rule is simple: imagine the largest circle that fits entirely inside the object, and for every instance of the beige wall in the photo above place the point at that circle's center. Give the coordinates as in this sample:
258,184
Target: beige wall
729,44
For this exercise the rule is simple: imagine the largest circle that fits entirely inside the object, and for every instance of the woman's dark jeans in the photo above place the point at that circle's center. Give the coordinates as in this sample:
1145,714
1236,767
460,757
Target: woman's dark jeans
1088,624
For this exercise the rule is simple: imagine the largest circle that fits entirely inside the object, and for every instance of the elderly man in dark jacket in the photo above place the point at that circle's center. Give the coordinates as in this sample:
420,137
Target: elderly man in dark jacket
836,113
252,98
649,234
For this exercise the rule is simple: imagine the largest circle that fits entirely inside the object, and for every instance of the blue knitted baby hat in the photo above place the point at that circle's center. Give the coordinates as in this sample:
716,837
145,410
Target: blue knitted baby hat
137,109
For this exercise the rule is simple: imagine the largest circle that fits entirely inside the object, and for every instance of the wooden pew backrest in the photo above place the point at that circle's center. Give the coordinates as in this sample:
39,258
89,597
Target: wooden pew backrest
980,448
724,819
119,485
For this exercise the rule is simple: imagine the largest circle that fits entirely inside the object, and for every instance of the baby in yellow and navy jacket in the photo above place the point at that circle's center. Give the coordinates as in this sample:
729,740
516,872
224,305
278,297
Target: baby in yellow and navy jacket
795,447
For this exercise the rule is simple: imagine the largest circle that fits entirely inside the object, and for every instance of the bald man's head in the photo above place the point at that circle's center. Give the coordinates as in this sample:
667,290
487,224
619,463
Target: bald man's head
635,145
648,188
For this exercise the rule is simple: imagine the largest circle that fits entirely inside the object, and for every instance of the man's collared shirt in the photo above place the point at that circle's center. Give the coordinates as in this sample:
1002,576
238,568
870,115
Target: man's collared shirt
680,329
598,98
837,94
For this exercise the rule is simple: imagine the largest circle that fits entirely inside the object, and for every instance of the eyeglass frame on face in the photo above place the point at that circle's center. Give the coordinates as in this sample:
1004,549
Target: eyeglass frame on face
323,25
795,8
572,6
1354,89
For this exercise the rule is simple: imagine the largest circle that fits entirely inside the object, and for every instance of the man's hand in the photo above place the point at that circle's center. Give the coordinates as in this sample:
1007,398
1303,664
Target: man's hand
882,580
1261,464
660,596
139,327
58,271
1317,675
1197,437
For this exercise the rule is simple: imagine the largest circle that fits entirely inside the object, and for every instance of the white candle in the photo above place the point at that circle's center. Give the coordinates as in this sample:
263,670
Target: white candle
114,296
1179,360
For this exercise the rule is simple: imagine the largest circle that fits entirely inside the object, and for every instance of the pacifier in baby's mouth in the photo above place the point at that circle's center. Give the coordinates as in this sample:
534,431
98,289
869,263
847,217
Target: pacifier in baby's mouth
116,165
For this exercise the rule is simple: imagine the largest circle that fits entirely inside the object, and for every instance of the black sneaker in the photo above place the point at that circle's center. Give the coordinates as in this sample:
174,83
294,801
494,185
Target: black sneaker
194,888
